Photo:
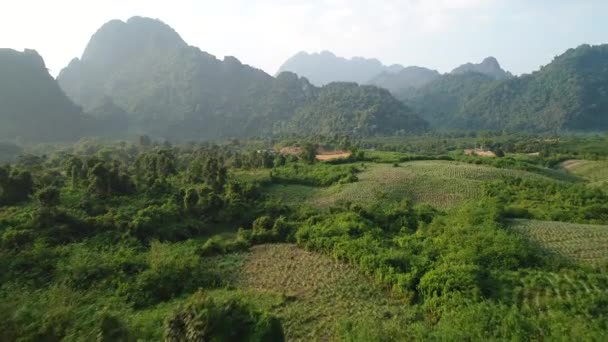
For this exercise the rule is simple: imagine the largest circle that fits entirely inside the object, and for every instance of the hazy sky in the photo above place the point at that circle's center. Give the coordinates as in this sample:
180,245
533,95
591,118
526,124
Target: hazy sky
441,34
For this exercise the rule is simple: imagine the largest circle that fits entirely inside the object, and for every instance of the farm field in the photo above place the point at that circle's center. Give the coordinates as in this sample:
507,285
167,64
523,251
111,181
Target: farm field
442,184
581,242
539,289
311,293
594,171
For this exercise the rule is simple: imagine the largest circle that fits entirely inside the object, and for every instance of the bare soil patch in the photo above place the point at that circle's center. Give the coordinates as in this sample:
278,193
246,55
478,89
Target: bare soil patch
479,152
333,155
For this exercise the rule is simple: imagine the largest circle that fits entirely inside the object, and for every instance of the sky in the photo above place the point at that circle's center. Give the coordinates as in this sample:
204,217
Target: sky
439,34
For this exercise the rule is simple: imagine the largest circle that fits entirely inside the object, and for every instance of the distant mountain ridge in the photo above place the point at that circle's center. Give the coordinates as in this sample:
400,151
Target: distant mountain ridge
325,67
170,89
570,93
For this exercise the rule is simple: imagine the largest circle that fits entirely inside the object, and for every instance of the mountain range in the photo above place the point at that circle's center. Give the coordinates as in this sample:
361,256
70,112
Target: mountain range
166,88
325,67
141,77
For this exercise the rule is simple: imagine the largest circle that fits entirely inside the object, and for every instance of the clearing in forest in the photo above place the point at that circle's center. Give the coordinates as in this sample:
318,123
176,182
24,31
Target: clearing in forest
442,184
581,242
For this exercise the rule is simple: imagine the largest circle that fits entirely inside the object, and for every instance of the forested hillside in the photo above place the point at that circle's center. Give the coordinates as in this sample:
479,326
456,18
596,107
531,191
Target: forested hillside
567,94
172,90
438,101
32,106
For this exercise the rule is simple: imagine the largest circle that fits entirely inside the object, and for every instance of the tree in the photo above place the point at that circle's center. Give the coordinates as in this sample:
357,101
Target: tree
15,185
99,180
205,319
48,197
309,153
191,199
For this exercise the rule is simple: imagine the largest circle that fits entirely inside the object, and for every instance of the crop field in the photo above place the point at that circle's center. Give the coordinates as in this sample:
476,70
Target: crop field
596,172
442,184
539,289
581,242
311,293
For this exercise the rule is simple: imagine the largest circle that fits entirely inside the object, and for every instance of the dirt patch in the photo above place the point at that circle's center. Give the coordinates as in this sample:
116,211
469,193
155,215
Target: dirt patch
479,152
333,155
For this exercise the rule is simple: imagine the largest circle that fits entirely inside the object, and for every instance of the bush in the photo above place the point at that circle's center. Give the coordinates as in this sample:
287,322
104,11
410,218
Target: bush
205,319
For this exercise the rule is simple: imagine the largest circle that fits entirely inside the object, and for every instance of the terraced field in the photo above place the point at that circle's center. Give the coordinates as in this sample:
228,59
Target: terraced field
596,172
443,184
311,293
582,242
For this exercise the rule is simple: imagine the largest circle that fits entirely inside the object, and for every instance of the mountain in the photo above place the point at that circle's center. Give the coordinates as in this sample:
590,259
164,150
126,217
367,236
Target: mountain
170,89
407,79
33,106
569,94
325,67
488,66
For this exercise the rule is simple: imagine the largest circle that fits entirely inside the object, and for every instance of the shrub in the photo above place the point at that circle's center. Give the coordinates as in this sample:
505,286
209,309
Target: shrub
205,319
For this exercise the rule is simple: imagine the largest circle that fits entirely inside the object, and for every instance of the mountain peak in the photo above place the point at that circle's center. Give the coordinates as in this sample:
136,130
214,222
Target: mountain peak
489,66
116,39
491,61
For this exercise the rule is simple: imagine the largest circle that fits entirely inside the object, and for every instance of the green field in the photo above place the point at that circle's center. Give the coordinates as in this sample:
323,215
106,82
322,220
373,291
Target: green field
594,171
442,184
312,294
581,242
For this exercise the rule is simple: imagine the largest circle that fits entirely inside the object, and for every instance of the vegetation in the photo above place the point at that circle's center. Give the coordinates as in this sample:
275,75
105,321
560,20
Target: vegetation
152,241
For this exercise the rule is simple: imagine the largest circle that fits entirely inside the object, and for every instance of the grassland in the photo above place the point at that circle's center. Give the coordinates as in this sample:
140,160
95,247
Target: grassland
312,294
596,172
442,184
581,242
